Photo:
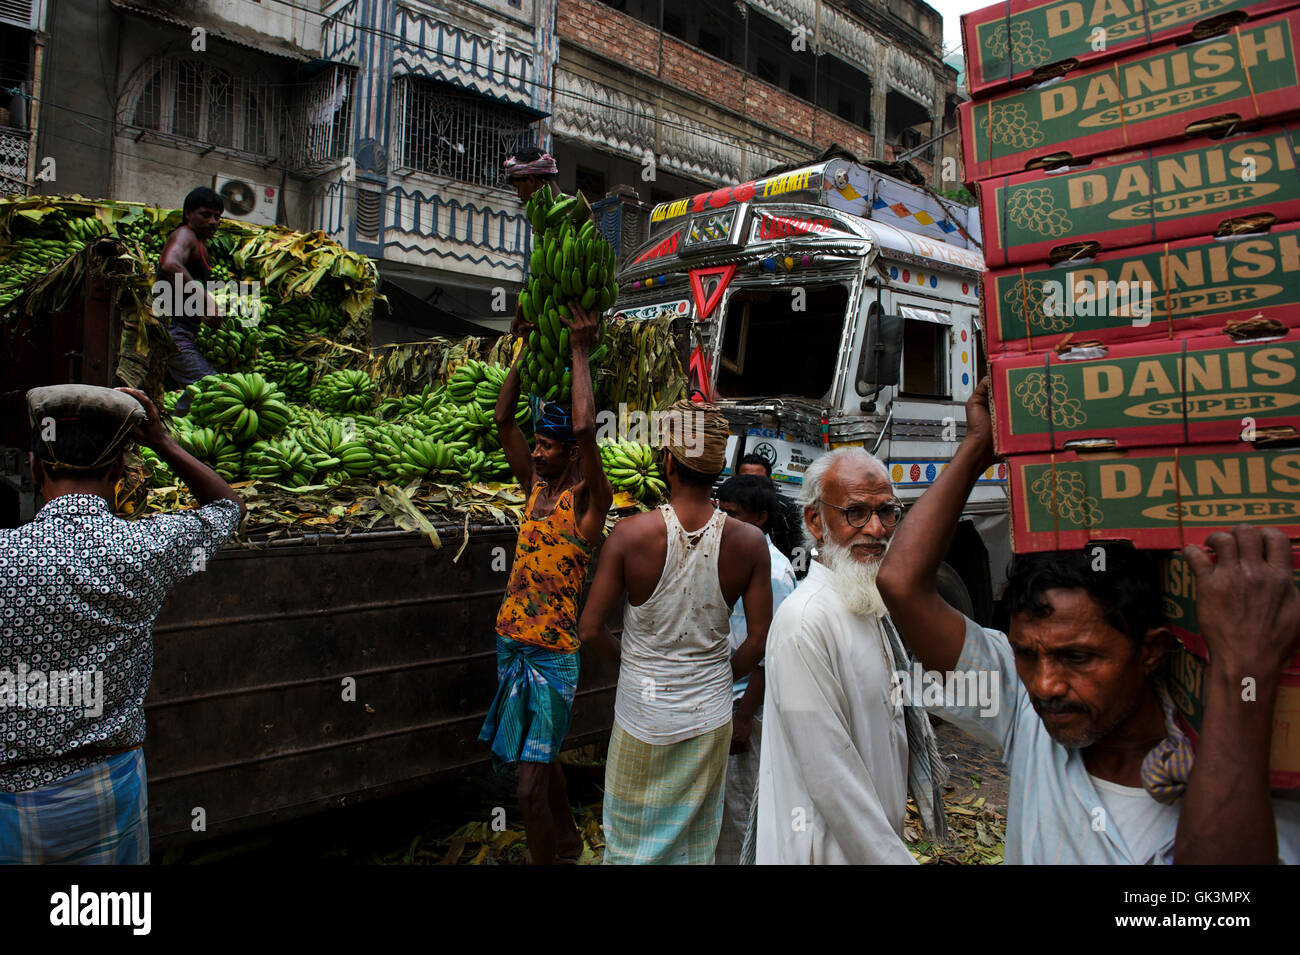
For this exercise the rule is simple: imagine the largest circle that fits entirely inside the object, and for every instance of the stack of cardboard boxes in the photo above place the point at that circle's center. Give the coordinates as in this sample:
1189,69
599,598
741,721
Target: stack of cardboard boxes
1137,166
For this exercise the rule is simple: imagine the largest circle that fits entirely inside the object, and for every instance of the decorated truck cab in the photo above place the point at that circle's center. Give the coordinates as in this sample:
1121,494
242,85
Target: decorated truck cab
831,305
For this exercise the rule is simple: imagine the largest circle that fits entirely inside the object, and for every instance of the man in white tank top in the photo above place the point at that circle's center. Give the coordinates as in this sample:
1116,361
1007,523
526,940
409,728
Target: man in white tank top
682,568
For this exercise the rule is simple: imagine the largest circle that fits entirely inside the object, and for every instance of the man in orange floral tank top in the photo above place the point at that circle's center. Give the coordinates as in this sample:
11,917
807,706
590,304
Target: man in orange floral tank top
537,641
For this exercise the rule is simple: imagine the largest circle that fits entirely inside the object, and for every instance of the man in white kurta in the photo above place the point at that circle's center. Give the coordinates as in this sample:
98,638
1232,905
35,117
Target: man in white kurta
832,784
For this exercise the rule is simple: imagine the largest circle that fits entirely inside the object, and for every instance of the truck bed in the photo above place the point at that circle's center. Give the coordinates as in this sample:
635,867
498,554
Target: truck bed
246,712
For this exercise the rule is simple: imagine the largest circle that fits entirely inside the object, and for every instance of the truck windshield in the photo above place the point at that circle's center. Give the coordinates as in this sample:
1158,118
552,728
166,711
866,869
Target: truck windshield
782,341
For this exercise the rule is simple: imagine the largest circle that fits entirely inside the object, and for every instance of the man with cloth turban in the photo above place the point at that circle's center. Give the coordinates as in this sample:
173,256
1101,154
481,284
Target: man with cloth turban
682,568
529,169
79,591
537,644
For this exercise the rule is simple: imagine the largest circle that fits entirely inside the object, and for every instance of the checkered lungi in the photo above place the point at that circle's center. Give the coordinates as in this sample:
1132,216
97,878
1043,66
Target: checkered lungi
663,804
98,816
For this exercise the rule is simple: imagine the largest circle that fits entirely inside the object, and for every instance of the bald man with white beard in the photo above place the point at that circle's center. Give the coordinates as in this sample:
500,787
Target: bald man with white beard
833,776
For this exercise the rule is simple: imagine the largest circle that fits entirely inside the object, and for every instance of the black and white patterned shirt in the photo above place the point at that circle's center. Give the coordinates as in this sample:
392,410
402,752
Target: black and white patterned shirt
79,591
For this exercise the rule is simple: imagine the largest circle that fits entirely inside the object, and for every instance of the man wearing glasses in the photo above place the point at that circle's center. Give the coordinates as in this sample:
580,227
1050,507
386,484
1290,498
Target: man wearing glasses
833,780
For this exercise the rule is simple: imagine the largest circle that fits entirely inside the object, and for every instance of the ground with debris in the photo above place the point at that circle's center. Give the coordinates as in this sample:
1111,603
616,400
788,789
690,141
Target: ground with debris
475,820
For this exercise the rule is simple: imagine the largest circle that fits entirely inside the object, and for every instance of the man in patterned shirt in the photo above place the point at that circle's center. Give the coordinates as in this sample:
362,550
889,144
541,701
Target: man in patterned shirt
79,591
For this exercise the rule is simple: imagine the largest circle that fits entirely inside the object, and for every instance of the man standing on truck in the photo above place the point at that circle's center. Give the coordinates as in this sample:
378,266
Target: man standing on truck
529,169
1100,772
79,591
537,642
682,568
185,260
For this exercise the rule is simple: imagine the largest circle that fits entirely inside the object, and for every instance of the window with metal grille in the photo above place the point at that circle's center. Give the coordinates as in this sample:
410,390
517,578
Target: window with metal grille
198,100
322,112
368,214
447,132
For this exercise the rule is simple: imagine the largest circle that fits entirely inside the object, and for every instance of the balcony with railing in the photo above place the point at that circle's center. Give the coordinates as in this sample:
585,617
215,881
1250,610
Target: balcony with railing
15,147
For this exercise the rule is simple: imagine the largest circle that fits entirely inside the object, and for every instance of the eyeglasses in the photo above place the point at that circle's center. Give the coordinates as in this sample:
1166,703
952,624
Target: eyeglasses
859,515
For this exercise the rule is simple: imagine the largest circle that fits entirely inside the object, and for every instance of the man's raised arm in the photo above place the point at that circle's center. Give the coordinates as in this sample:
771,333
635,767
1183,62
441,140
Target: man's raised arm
932,629
513,442
1248,609
599,494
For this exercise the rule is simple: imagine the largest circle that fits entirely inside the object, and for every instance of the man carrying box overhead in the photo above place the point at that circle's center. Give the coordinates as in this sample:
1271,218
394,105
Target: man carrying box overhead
1099,770
537,642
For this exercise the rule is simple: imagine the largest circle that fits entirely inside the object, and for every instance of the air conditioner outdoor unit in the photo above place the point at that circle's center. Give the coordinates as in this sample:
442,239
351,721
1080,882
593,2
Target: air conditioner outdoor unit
248,201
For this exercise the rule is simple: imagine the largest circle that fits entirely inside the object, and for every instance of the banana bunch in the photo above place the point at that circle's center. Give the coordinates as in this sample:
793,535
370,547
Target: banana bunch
292,377
28,257
570,264
424,456
399,406
214,449
245,405
330,446
169,400
476,381
280,460
230,346
343,391
633,467
306,317
160,475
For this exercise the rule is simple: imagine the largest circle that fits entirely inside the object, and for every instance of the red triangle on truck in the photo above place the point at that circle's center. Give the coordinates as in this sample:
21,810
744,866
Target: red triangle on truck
708,284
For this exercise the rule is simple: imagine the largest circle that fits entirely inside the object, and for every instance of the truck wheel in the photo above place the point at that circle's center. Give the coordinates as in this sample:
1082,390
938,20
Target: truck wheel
953,589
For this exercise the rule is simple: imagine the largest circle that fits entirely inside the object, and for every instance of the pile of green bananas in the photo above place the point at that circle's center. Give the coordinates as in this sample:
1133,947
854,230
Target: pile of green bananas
213,448
570,264
279,460
230,346
29,256
476,381
343,391
315,316
247,406
336,446
634,468
424,401
292,377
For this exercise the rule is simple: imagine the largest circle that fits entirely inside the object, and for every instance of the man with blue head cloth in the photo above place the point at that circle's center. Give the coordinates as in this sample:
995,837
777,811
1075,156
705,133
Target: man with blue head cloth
537,640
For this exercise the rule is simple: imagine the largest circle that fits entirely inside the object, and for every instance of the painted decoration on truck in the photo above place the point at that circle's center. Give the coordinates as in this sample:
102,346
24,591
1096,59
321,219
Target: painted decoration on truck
708,284
922,473
649,312
1005,43
1149,97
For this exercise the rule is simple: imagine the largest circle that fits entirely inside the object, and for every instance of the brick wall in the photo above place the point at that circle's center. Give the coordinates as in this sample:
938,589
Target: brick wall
604,31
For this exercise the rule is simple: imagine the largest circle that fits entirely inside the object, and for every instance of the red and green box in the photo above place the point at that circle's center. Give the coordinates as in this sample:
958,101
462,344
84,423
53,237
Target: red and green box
1147,394
1188,674
1159,195
1007,42
1193,287
1156,498
1178,584
1151,97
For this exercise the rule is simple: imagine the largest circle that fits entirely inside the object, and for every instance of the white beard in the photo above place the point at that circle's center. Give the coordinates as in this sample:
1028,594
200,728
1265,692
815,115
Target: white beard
853,580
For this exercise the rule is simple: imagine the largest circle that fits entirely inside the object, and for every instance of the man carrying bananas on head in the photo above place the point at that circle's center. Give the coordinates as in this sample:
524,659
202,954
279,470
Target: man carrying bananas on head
537,641
185,260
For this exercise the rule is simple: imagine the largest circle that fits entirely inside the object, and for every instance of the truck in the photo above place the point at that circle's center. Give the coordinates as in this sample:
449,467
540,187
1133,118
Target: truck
858,292
304,669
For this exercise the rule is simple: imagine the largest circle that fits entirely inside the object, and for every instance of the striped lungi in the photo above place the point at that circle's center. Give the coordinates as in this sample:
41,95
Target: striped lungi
96,816
530,714
663,804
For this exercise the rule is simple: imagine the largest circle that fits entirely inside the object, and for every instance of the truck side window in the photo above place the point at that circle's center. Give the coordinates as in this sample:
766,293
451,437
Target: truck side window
925,359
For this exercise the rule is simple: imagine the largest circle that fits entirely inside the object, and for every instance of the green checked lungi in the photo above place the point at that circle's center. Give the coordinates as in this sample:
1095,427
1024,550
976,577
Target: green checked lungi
530,715
663,804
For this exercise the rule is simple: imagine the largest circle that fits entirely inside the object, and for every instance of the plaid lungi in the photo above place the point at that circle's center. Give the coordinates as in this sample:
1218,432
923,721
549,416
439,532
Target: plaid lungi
530,714
96,816
663,804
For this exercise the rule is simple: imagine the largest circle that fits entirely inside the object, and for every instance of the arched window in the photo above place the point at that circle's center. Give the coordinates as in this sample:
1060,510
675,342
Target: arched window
206,102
